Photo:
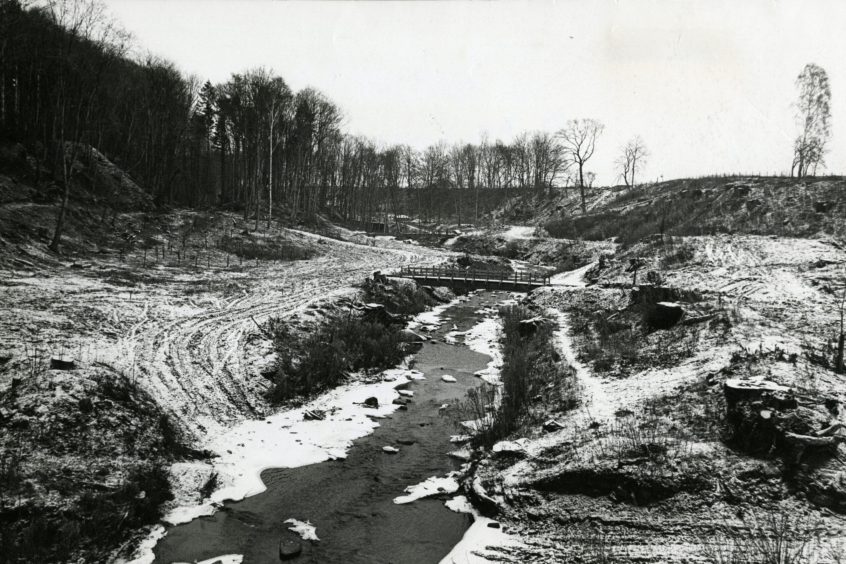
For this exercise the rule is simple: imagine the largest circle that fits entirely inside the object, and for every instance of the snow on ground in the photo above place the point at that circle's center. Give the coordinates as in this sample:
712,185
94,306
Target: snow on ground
480,541
144,550
519,232
520,265
484,338
286,440
432,486
305,529
596,403
189,337
452,337
282,440
451,241
225,559
572,278
431,319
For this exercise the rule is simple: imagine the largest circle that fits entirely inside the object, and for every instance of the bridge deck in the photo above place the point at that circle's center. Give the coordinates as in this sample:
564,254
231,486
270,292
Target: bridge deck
482,279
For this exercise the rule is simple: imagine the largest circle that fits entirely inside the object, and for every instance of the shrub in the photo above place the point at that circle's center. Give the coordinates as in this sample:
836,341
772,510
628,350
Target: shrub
647,435
765,538
531,374
678,254
99,521
398,298
249,247
561,228
311,363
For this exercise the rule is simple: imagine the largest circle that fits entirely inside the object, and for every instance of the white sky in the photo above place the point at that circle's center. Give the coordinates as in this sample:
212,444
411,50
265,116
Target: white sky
709,84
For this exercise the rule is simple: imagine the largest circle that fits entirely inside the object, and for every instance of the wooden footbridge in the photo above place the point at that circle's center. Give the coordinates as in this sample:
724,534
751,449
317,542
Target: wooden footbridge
473,279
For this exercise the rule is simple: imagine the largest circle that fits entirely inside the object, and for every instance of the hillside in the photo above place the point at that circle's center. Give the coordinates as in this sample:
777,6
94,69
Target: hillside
738,204
160,309
704,340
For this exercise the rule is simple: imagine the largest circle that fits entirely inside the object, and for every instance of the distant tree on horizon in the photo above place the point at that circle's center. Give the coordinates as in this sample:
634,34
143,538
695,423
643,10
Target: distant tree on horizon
578,139
813,113
633,156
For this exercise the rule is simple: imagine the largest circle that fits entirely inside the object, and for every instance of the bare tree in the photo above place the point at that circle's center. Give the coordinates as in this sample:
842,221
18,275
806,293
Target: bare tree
633,156
813,112
79,79
549,159
578,140
838,360
276,108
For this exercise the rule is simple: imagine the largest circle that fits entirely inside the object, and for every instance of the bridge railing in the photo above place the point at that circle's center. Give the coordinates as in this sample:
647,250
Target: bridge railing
474,275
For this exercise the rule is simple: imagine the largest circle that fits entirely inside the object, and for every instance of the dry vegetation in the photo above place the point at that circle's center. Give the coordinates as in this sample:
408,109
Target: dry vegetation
535,381
56,506
660,462
781,206
351,338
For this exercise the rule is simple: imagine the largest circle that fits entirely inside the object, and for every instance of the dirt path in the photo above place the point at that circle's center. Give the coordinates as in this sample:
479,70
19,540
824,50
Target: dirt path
187,336
198,363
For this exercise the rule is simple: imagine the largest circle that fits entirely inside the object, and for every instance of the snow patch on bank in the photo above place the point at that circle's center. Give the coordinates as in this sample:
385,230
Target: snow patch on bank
432,318
432,486
225,559
484,338
287,440
144,551
305,529
479,543
283,440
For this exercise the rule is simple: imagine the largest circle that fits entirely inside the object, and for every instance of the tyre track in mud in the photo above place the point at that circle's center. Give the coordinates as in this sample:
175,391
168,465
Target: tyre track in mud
194,365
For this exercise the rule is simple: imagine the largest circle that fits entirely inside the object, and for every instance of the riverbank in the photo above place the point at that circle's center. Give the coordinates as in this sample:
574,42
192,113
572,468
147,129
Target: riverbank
323,452
663,460
181,333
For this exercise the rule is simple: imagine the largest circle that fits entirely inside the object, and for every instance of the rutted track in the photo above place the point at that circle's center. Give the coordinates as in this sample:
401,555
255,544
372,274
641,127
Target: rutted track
195,364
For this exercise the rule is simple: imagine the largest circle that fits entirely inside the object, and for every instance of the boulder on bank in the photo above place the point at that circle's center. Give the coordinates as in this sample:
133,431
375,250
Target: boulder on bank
289,549
371,402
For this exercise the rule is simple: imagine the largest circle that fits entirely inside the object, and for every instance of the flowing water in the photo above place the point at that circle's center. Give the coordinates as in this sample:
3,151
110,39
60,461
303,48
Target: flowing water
350,501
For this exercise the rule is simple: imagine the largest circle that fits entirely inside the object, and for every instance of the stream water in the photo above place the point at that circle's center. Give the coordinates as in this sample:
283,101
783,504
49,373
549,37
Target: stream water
350,501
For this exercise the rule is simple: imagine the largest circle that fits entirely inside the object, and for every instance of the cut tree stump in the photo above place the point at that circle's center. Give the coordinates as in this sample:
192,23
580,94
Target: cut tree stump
745,389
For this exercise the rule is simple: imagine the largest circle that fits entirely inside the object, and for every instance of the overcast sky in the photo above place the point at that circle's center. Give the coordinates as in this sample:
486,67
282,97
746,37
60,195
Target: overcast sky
708,85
